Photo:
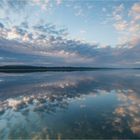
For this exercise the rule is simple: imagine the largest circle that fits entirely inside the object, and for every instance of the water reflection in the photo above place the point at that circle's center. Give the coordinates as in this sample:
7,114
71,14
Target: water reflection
70,105
129,109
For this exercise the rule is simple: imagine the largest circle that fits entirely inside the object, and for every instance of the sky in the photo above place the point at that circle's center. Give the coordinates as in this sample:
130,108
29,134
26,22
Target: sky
96,33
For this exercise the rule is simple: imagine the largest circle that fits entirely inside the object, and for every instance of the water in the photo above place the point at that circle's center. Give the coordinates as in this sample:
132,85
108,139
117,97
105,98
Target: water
59,105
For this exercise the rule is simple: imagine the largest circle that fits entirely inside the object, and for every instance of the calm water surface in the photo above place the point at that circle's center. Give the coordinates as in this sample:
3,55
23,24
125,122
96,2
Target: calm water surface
59,105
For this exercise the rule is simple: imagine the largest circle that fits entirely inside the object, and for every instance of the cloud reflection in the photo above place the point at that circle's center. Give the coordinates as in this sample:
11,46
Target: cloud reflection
129,109
46,98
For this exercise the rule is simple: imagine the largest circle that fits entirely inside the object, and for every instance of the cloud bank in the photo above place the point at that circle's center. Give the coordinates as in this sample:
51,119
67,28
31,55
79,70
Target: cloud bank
52,46
49,44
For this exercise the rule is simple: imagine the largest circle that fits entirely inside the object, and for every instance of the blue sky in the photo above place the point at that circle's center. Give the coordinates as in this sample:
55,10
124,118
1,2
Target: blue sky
70,32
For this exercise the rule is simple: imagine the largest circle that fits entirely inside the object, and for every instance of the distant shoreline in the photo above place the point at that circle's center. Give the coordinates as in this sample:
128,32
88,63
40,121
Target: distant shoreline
22,69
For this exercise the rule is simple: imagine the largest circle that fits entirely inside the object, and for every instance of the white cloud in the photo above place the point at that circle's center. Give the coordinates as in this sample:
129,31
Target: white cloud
127,23
13,34
136,8
119,9
72,52
121,25
51,43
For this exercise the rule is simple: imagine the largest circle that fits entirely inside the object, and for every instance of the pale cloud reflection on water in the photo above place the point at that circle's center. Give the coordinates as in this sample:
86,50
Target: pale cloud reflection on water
70,105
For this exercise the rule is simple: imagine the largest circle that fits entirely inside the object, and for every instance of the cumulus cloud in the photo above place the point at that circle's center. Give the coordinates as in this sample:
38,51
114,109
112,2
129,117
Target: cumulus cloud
136,8
128,24
50,29
53,45
121,25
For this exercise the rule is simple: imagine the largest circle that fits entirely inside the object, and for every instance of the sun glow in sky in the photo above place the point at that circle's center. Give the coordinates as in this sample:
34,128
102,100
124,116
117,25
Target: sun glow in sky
70,32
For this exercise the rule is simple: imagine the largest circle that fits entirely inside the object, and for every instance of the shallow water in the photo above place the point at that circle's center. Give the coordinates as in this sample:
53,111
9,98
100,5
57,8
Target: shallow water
59,105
